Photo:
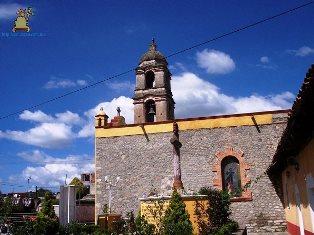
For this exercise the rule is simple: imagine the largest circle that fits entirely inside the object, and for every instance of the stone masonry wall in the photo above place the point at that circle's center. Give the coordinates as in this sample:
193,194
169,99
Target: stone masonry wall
144,165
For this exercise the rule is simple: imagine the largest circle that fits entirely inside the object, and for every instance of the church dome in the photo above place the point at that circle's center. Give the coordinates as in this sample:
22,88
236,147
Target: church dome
152,54
101,112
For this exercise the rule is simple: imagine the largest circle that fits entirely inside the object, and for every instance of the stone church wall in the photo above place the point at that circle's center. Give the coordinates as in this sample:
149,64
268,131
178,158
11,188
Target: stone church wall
145,164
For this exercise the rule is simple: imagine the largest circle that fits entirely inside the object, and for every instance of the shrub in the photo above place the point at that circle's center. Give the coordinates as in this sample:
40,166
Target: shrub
143,227
176,220
217,213
46,222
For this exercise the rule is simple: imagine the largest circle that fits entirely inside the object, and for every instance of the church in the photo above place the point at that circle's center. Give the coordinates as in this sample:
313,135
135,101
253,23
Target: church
227,152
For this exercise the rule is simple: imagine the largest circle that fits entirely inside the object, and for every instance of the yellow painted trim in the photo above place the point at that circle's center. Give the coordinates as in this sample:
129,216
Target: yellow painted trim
261,119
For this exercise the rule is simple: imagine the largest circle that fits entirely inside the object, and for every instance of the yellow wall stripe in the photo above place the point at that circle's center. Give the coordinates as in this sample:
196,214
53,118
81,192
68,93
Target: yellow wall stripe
261,119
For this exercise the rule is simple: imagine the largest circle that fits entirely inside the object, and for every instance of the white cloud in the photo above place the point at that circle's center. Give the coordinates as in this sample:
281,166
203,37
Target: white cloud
53,169
196,97
302,51
51,132
37,116
264,59
66,117
46,135
8,10
121,86
126,105
215,62
55,83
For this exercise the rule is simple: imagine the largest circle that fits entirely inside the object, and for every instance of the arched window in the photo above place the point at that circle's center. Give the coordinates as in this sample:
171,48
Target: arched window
150,79
150,111
230,173
99,122
231,178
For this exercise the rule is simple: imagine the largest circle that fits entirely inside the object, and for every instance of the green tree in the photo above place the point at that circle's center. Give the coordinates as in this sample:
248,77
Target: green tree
46,222
81,190
6,208
143,227
41,192
217,213
176,220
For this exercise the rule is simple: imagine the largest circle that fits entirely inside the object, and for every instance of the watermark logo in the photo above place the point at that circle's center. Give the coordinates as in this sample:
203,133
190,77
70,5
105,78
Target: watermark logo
21,22
21,26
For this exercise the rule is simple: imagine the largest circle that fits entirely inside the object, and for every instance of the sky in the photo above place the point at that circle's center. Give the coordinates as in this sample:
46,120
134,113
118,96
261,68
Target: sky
73,44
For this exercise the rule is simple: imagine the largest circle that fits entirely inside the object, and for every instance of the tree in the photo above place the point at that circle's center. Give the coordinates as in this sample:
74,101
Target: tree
81,190
217,213
46,221
176,220
41,192
6,208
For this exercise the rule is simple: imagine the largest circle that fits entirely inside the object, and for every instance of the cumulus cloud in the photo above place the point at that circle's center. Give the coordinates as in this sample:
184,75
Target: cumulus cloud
66,117
53,169
202,98
56,83
51,131
37,116
215,62
46,135
8,10
302,51
126,105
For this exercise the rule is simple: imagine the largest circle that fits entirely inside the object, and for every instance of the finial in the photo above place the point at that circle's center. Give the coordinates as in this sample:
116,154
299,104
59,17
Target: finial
118,110
101,109
153,45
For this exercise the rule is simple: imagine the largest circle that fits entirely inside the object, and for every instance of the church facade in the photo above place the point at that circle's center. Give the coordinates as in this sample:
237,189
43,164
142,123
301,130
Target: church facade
230,152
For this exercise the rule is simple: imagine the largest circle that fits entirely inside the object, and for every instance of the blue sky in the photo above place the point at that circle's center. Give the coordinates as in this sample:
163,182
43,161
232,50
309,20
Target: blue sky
77,43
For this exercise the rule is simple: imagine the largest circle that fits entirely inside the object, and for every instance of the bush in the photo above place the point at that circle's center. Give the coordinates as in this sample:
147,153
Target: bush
143,227
217,213
46,222
77,229
176,220
227,229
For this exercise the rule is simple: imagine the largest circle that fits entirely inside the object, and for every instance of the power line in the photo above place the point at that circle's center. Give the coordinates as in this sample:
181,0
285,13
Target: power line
171,55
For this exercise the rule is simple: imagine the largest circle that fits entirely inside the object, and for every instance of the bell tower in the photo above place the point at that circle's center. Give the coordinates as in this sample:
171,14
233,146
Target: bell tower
153,100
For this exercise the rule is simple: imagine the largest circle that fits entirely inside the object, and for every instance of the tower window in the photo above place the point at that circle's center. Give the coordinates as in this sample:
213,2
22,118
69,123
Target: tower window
150,111
150,79
231,179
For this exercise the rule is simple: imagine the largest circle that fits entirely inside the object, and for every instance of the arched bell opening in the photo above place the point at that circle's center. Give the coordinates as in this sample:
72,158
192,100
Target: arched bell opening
150,111
149,80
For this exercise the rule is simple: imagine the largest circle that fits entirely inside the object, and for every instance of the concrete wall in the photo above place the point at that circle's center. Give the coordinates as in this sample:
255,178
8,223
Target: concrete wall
67,208
145,163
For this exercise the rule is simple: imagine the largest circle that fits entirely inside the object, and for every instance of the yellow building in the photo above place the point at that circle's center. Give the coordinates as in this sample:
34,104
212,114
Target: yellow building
293,162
